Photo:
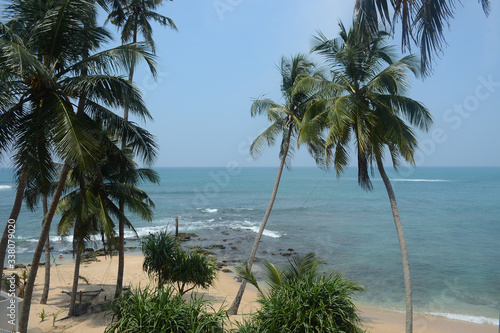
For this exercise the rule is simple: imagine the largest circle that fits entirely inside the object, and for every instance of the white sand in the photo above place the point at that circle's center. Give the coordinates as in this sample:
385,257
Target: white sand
103,275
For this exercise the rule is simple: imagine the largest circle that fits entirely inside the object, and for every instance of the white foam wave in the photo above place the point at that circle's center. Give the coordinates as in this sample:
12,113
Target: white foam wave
5,187
242,209
268,233
209,210
471,319
419,180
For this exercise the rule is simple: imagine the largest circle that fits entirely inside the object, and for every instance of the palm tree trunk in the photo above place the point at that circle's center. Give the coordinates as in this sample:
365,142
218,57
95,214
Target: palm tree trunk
121,223
402,245
25,311
16,208
46,285
121,252
74,289
233,309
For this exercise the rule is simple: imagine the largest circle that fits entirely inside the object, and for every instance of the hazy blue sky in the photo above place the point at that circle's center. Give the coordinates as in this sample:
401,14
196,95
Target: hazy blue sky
225,54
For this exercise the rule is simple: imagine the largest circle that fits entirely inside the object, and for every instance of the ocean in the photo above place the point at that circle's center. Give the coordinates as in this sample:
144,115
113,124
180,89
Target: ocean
451,219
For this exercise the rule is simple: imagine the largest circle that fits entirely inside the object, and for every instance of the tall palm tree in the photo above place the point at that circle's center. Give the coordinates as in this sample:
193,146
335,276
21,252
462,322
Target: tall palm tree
133,17
422,22
367,106
286,119
41,79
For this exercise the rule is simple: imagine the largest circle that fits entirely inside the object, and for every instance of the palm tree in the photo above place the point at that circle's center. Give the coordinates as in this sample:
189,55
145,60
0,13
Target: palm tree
367,105
132,17
90,207
422,22
286,121
40,80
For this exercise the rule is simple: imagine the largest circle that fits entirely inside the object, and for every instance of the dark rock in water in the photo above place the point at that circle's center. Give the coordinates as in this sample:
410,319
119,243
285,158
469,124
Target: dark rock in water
134,239
201,251
215,246
131,248
290,250
234,248
19,266
225,233
226,270
184,237
220,265
286,254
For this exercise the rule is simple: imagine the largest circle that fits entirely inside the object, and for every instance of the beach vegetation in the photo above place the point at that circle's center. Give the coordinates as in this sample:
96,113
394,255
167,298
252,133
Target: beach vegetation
42,315
163,310
364,104
299,298
168,263
285,122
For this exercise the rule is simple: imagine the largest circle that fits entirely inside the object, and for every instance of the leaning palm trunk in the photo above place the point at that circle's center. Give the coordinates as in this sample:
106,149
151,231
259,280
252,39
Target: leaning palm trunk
74,290
402,245
16,208
25,311
233,309
46,285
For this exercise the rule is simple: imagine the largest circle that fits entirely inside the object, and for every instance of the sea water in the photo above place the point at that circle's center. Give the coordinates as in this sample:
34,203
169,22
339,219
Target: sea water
451,220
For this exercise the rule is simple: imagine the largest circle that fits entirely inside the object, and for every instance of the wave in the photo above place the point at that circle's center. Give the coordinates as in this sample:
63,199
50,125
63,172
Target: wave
470,319
268,233
208,210
5,187
419,180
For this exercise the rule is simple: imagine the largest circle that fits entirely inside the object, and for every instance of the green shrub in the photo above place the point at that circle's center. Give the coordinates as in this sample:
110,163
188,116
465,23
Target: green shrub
161,310
167,262
299,299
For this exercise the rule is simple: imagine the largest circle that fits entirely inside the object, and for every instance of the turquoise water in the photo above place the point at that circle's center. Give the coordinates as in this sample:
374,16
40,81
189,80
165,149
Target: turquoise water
451,219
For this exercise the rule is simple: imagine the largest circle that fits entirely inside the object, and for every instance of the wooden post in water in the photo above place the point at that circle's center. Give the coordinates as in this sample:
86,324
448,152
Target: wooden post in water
176,226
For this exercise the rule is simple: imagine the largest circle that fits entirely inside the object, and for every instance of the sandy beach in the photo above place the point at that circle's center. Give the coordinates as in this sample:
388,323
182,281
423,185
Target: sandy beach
102,275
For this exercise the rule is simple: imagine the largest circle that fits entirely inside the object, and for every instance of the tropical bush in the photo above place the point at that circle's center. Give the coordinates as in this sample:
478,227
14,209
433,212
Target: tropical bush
299,299
162,310
167,262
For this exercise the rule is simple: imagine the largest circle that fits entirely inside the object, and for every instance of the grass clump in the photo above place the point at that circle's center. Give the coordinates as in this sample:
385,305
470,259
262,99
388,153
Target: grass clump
161,310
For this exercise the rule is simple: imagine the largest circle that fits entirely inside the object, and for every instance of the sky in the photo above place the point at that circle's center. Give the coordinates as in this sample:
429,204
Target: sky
225,54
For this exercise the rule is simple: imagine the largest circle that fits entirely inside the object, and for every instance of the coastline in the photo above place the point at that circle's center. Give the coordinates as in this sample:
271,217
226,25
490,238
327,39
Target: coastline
102,275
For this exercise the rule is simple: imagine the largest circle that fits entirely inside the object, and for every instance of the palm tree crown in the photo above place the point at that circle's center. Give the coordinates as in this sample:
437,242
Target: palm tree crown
422,22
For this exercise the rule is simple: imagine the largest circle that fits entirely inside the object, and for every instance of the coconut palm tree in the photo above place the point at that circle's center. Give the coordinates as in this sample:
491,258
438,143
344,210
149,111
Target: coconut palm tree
422,22
89,209
367,106
133,17
43,77
285,121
